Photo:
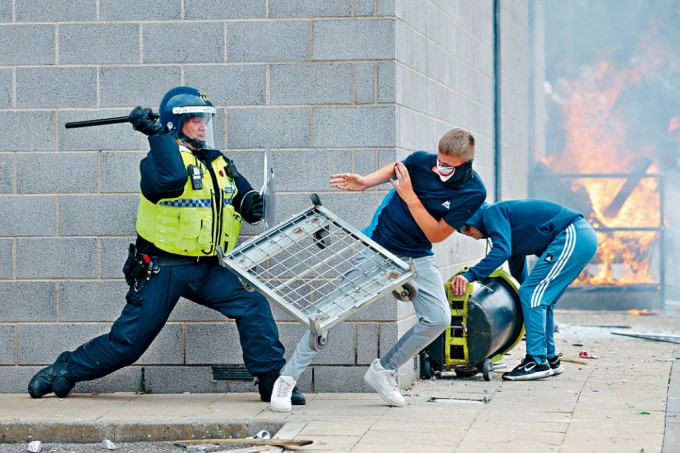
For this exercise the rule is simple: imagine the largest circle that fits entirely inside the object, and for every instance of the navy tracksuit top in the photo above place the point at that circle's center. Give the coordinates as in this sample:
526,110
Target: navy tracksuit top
517,228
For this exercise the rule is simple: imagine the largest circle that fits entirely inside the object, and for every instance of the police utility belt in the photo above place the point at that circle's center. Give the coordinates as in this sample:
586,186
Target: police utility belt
139,268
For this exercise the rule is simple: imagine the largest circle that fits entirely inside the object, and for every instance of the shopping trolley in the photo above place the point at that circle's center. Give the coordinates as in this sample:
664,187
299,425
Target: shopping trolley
319,269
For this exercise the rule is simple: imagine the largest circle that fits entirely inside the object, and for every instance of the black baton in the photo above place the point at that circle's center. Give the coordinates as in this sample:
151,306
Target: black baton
99,122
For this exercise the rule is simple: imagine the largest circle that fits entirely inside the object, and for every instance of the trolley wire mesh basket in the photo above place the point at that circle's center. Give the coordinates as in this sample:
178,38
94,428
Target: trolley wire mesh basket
319,269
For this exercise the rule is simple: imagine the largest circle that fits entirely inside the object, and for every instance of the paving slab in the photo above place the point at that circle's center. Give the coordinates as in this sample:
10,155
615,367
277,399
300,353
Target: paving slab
625,400
323,427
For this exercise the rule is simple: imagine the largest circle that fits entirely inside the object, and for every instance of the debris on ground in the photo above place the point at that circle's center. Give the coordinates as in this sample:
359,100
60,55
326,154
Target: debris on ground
262,435
451,400
201,448
585,355
651,336
246,441
35,446
106,443
245,450
580,362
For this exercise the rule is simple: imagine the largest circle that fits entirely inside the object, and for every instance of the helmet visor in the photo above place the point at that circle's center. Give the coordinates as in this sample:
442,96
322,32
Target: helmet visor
196,125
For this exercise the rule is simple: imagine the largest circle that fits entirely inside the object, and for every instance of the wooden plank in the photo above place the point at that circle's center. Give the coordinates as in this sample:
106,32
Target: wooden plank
246,441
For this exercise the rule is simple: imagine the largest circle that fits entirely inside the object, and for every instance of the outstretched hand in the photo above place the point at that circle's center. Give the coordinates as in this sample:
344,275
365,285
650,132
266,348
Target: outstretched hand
350,182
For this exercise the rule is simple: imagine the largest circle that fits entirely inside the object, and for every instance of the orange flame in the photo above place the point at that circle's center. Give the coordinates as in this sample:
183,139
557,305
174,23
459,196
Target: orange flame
643,312
595,144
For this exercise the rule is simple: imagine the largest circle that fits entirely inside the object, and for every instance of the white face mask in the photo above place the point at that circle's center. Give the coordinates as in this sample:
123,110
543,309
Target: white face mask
445,172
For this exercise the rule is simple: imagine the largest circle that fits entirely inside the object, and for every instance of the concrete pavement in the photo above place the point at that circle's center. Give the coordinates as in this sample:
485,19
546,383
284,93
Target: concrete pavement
625,400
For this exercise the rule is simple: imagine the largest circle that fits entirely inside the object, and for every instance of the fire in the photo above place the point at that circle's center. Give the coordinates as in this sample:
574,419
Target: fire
595,144
643,312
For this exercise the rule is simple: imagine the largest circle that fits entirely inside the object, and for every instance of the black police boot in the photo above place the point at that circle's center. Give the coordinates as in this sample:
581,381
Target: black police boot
52,379
297,398
265,384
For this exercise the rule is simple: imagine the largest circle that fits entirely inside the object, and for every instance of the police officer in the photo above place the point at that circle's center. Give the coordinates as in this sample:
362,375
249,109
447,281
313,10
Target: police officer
192,200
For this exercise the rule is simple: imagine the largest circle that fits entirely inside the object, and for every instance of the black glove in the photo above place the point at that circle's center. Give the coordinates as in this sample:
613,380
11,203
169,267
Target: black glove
145,121
252,207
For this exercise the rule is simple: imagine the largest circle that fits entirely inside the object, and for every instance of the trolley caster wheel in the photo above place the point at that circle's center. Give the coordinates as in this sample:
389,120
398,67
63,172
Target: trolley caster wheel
246,285
406,292
487,370
316,201
319,342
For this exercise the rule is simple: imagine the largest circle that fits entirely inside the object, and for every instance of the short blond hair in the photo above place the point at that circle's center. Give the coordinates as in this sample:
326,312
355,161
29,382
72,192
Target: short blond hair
458,142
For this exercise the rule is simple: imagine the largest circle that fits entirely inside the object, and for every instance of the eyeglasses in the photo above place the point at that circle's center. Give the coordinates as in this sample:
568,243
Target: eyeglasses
465,228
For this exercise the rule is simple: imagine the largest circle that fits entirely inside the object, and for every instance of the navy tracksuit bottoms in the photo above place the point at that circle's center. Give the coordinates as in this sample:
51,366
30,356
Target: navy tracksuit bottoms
557,267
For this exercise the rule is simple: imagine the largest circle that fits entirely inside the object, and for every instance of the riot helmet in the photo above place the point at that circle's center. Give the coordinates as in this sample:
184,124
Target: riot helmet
189,114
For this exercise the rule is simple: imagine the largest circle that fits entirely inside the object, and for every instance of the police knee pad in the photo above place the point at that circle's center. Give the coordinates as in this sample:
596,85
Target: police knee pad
62,386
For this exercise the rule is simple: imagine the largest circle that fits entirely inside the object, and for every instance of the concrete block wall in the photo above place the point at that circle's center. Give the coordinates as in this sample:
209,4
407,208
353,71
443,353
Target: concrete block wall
332,86
516,68
444,78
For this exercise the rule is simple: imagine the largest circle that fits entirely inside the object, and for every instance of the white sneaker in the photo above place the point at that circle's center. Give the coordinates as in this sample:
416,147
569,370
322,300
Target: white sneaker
281,393
385,383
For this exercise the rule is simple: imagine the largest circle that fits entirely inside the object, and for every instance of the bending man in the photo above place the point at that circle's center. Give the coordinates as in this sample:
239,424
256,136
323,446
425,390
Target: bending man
564,242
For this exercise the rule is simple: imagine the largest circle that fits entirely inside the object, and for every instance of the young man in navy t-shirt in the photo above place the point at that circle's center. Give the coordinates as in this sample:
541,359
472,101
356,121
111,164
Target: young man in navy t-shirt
564,242
433,196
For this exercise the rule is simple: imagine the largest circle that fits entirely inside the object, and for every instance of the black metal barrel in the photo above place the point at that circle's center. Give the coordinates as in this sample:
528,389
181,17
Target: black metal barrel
494,319
484,325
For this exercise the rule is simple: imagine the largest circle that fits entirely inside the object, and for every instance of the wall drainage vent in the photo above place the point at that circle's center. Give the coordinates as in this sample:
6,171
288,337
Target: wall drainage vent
230,373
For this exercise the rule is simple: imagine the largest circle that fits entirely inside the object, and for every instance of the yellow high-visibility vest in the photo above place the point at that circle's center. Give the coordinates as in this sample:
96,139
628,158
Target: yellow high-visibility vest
197,221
